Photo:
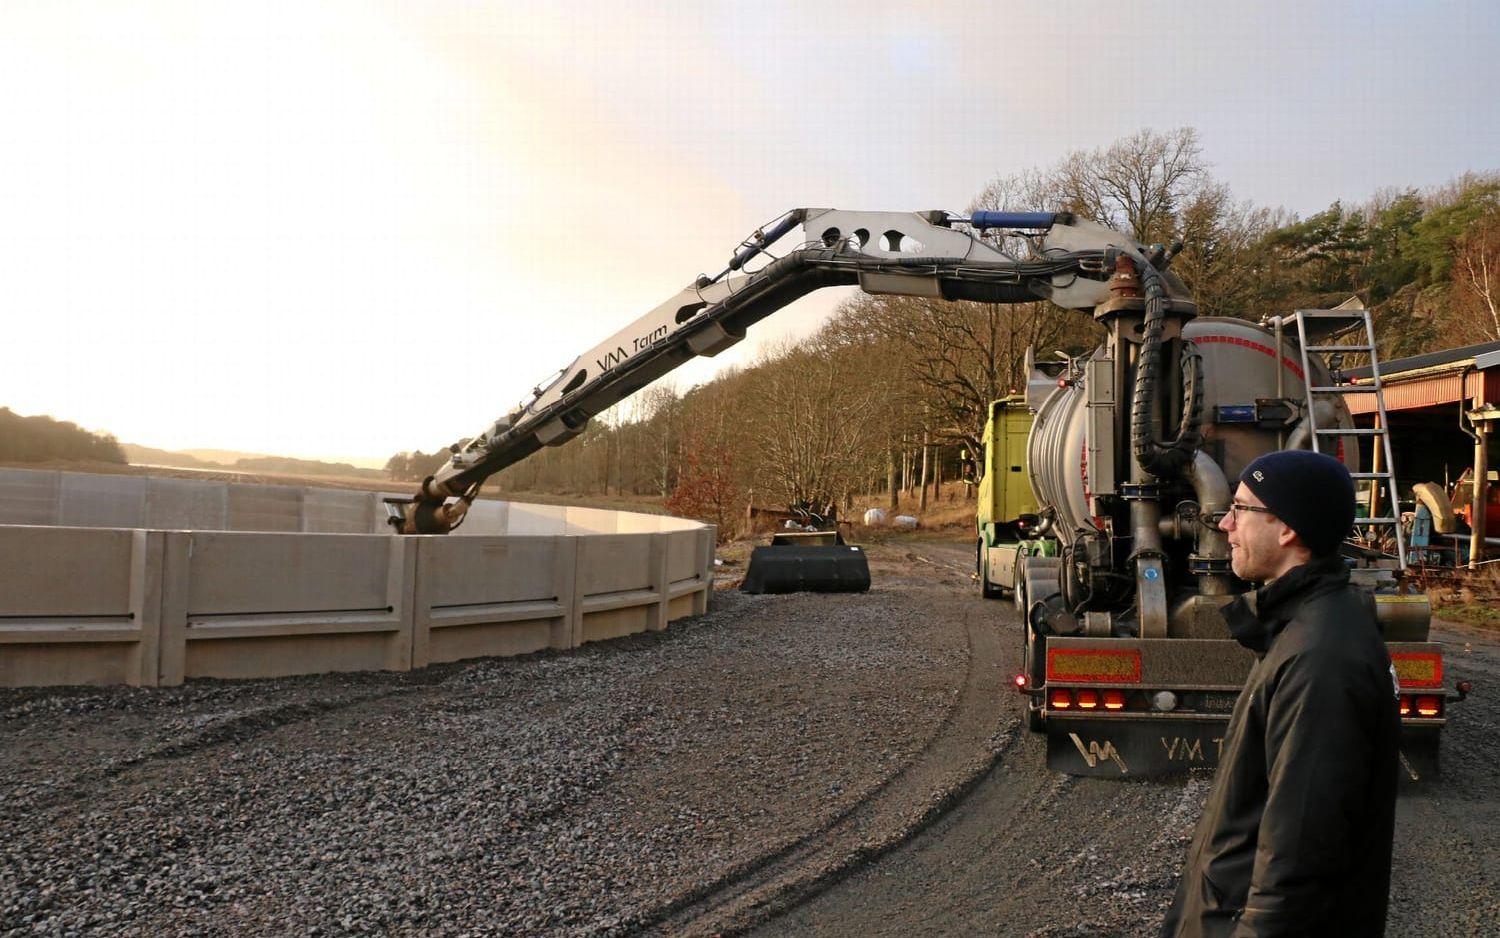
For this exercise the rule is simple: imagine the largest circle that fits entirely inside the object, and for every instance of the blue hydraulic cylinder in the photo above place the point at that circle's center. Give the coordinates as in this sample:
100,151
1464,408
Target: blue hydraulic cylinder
766,239
1012,219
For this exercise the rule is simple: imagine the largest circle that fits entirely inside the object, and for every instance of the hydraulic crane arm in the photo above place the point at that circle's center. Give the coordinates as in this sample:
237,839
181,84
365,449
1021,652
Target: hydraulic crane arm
913,254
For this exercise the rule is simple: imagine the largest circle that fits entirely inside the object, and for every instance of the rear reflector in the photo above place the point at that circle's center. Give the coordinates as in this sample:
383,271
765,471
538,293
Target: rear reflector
1105,665
1114,700
1429,706
1418,669
1060,699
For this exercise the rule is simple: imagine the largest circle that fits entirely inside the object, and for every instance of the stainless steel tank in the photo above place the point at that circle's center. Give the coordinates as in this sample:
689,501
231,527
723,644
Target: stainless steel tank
1240,362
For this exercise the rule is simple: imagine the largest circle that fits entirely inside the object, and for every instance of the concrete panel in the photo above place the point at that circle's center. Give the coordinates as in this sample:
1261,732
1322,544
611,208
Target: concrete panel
610,563
283,656
636,523
242,573
55,629
265,508
487,519
335,511
593,521
186,505
536,519
473,571
101,501
29,496
616,623
44,665
492,596
684,555
486,640
76,572
238,605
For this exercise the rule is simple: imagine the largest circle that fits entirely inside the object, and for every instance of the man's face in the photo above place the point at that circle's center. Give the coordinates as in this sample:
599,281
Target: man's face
1258,541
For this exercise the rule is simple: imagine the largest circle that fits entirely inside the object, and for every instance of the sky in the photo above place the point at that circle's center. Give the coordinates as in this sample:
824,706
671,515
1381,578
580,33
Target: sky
339,230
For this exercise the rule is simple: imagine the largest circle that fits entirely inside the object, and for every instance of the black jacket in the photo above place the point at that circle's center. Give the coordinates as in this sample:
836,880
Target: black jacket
1296,837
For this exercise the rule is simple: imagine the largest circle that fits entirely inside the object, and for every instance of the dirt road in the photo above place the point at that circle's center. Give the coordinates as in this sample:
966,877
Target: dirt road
1029,852
795,764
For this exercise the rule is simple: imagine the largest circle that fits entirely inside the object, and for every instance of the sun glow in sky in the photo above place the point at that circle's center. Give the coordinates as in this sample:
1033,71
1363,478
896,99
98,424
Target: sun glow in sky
339,230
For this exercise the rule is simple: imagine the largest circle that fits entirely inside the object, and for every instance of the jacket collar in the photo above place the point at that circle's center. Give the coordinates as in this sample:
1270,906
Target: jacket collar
1257,617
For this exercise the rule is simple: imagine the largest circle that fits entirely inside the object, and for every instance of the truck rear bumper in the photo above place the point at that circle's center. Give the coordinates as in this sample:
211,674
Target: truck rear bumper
1138,745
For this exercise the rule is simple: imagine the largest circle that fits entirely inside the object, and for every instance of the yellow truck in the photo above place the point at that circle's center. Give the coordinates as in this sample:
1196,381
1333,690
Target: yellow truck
1007,507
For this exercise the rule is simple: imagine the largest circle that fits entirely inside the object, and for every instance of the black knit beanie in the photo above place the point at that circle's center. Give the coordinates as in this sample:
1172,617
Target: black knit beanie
1311,492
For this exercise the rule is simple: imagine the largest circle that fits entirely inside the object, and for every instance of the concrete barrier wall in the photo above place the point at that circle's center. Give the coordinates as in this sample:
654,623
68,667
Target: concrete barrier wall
82,499
94,605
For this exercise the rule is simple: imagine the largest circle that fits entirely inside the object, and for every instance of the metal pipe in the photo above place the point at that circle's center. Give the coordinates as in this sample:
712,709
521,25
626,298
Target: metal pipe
1478,506
1212,491
1301,436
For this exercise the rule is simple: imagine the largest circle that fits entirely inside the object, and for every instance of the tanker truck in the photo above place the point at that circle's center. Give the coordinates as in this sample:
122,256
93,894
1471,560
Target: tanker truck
1128,666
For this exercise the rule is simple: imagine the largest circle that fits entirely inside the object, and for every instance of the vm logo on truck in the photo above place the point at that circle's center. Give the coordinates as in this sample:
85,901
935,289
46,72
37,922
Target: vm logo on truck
1093,753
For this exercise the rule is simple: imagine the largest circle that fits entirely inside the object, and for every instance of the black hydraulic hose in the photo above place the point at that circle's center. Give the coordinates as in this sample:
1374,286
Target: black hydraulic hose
1163,459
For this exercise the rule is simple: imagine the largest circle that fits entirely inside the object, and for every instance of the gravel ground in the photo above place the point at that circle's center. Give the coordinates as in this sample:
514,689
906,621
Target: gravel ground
823,765
592,792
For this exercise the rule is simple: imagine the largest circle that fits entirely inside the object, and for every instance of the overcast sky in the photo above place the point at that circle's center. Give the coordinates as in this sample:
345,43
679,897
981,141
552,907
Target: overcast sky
339,230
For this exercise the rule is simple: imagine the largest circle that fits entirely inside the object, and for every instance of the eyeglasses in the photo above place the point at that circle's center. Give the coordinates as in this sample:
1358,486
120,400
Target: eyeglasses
1236,507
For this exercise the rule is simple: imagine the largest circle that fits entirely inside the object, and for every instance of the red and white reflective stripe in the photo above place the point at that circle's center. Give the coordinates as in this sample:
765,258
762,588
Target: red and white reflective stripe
1295,368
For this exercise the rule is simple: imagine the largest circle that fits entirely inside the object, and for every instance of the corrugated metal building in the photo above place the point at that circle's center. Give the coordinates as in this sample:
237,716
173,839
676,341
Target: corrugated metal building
1425,397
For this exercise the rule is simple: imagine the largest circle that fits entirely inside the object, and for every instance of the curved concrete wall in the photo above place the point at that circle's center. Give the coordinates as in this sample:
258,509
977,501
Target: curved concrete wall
145,580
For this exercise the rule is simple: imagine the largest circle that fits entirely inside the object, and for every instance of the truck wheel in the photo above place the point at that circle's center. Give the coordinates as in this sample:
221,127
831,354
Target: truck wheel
1019,593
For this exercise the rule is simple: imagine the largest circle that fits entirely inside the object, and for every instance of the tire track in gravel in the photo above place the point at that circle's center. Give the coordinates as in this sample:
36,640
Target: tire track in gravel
969,743
237,727
1029,852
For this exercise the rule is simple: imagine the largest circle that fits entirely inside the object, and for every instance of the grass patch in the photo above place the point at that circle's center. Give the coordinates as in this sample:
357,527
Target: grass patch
1471,613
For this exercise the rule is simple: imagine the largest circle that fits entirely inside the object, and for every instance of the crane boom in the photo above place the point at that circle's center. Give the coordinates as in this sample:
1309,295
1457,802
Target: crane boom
914,254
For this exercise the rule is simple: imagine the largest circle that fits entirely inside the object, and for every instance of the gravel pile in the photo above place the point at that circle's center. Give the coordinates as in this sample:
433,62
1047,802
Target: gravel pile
588,792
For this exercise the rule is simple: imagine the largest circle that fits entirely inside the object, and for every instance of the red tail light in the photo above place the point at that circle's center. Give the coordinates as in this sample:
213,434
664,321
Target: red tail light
1060,699
1429,706
1406,706
1088,699
1114,700
1020,681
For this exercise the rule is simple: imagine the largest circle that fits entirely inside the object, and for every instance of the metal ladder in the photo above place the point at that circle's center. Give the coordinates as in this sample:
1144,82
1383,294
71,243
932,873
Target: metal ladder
1386,478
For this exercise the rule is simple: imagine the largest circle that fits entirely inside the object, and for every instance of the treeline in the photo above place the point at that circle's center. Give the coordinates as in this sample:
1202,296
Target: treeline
890,380
287,465
280,465
41,439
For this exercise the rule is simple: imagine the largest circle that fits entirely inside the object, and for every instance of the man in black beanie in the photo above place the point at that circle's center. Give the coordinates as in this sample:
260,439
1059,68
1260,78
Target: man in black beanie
1295,838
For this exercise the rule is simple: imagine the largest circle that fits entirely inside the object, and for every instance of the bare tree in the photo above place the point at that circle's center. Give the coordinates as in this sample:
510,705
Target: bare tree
1476,272
963,356
1138,184
1223,260
816,426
